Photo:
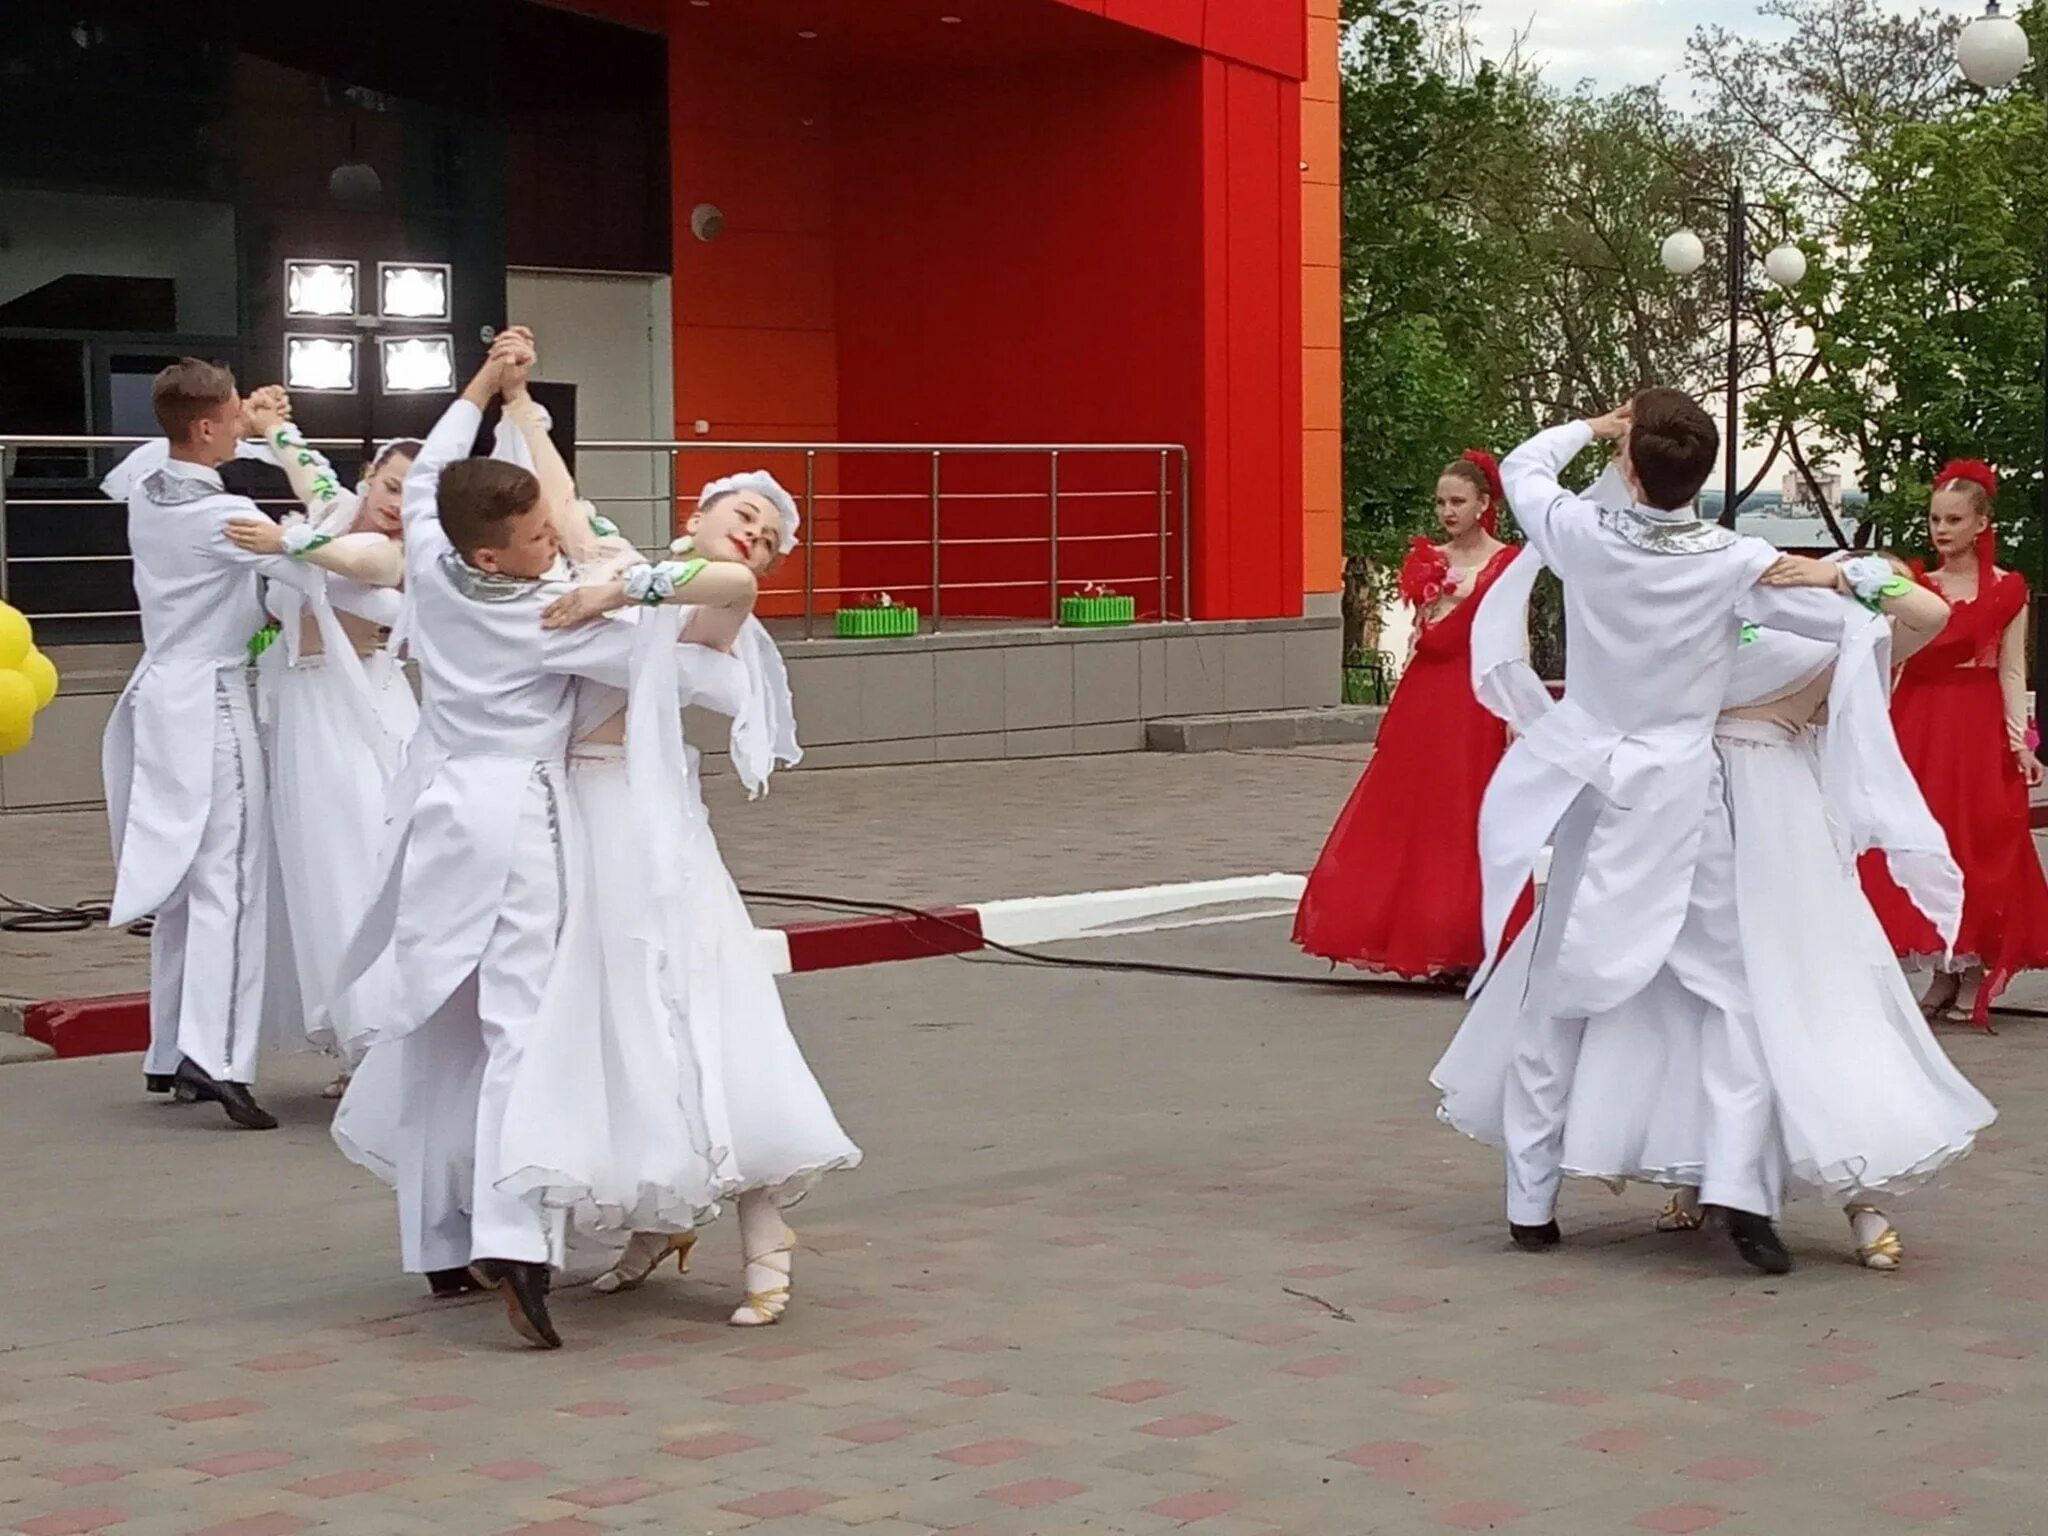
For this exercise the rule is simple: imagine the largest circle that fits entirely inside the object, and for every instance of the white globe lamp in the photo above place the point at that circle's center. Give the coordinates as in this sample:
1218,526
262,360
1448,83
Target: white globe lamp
1992,50
1786,266
1683,253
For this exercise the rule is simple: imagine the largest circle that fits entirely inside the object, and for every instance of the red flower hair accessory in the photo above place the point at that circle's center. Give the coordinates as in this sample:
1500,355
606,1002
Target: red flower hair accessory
1975,471
1497,494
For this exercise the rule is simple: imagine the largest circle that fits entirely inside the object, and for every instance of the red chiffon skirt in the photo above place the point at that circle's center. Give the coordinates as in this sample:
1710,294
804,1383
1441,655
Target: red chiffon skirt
1397,886
1951,729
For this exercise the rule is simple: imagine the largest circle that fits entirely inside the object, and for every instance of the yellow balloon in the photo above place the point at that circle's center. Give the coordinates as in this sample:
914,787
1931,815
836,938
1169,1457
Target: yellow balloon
15,639
17,712
41,673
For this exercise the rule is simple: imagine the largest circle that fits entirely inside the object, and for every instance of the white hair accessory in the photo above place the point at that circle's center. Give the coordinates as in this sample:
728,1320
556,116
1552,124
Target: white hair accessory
766,486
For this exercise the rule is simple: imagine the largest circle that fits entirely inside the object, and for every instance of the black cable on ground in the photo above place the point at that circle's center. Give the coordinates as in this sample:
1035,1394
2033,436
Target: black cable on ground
18,916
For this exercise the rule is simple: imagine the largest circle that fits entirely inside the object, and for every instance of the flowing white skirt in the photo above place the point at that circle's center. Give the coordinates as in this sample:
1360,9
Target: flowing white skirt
663,1083
1867,1102
328,807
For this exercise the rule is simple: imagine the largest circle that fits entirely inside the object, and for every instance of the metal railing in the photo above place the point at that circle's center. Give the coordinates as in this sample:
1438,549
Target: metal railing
1165,485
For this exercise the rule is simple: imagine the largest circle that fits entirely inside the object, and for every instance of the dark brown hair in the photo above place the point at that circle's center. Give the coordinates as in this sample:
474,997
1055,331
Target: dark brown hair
477,497
188,392
408,446
1673,444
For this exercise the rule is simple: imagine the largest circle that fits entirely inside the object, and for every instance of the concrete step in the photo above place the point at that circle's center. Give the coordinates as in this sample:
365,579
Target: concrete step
1334,725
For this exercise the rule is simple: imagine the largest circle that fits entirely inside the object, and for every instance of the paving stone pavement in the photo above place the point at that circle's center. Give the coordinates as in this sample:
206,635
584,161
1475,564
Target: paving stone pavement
1130,1254
923,834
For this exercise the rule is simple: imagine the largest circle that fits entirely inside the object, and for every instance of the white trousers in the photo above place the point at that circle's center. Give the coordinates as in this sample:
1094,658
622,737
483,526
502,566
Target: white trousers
458,1068
207,951
1703,978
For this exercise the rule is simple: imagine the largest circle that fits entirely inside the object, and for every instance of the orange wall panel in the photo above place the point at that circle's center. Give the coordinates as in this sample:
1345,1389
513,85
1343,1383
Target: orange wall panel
1322,321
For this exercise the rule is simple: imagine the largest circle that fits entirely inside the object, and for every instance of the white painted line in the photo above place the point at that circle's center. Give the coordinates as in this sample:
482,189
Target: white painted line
775,945
1050,919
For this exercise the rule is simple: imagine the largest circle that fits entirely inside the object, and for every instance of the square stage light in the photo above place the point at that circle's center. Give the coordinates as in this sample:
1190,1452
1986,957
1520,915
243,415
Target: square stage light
321,364
418,365
319,289
414,290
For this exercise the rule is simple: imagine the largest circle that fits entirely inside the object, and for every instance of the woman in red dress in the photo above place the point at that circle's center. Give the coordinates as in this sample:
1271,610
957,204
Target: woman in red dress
1961,713
1397,887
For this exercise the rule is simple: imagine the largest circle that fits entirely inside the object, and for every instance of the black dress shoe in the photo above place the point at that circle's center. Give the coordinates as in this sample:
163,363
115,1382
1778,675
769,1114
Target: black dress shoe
524,1287
1757,1240
1535,1239
235,1098
156,1082
447,1283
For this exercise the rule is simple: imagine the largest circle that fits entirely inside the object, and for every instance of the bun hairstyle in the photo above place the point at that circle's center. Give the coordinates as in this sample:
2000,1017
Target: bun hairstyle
1476,467
1978,481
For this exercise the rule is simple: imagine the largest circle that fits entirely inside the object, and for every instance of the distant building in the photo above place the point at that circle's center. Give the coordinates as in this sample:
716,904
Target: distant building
1797,494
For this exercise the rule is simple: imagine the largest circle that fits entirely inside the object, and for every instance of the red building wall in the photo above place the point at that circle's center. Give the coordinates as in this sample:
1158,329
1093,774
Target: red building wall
1062,245
1017,264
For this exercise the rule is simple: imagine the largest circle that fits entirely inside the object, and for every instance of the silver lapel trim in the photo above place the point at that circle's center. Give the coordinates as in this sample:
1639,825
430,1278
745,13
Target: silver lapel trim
483,586
169,490
1691,537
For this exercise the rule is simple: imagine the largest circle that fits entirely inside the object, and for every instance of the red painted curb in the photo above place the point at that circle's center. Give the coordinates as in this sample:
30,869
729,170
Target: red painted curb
841,942
112,1026
90,1026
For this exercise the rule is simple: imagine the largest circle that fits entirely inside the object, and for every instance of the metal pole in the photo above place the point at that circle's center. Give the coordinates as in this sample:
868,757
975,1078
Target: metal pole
1738,267
5,455
810,541
2041,504
1054,615
1163,497
935,542
1187,501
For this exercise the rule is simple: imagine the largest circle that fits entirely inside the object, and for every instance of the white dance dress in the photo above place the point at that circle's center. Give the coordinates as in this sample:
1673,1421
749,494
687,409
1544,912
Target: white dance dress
1866,1101
336,724
660,1077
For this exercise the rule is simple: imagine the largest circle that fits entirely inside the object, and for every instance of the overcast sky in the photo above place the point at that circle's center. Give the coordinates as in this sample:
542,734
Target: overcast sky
1611,42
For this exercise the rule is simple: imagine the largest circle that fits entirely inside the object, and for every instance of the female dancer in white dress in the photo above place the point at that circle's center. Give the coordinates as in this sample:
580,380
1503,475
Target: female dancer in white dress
698,1092
337,712
1867,1103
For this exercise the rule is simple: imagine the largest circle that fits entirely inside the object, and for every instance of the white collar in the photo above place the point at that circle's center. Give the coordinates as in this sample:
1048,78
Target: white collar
186,470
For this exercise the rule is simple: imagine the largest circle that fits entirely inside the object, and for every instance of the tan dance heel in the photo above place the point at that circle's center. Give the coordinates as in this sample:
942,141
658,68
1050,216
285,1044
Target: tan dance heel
645,1253
766,1302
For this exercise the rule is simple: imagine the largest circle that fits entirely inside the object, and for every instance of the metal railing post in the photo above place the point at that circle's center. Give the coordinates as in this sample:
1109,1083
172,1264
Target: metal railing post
1187,501
810,542
1165,533
1053,613
936,456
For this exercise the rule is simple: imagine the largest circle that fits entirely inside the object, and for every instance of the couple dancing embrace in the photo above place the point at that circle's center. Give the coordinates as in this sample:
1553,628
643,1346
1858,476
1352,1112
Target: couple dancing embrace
1703,998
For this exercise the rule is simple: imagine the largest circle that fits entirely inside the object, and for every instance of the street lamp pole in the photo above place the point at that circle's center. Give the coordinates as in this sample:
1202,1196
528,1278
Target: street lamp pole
1683,254
1738,265
1992,52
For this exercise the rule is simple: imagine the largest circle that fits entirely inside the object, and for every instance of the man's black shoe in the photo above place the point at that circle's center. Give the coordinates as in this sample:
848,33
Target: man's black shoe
1535,1239
235,1098
447,1283
524,1287
1757,1240
156,1082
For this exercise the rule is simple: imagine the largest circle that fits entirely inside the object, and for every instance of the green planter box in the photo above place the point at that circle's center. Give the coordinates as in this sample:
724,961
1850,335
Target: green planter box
1095,612
875,623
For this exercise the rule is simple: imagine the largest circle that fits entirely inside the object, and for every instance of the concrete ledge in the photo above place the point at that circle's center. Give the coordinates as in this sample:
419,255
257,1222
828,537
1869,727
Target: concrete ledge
1339,725
16,1049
